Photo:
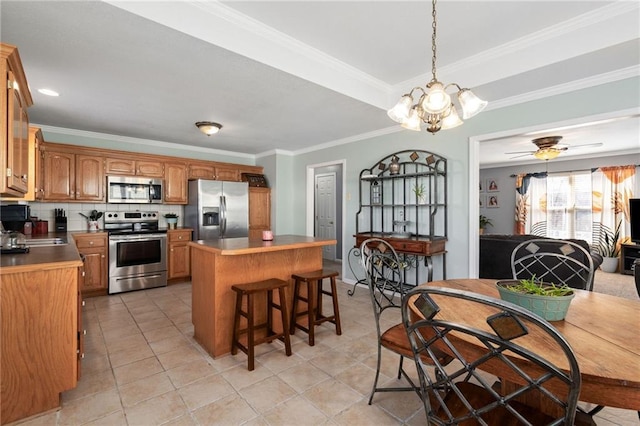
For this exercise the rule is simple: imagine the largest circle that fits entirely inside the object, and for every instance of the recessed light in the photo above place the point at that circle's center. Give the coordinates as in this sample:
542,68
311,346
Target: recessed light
48,92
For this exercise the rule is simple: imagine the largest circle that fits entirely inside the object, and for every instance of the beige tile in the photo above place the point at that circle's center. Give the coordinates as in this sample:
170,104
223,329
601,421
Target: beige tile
277,361
240,377
297,411
265,395
169,344
231,410
364,414
203,392
91,408
46,419
360,378
333,361
156,411
303,376
400,404
150,315
126,342
162,333
113,334
332,397
130,355
190,372
90,384
154,324
179,356
116,418
144,389
137,370
184,420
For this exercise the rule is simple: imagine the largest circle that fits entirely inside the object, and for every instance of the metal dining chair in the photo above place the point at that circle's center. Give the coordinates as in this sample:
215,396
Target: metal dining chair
484,335
384,271
556,261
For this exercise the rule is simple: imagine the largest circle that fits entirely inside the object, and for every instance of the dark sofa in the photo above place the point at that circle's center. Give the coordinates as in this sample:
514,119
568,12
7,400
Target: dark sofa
495,254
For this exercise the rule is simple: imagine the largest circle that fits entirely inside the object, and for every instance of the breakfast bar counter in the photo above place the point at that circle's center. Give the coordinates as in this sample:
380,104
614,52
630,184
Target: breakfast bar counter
216,265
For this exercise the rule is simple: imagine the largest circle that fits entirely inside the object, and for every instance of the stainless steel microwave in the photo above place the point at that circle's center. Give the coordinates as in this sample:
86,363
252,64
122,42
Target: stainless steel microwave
138,190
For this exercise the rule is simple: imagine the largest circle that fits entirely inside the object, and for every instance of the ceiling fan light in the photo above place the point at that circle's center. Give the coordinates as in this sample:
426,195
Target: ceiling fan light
400,112
412,122
547,153
208,127
471,104
451,120
436,100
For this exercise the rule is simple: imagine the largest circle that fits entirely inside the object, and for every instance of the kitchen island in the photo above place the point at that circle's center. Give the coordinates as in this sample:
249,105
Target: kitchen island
216,265
40,317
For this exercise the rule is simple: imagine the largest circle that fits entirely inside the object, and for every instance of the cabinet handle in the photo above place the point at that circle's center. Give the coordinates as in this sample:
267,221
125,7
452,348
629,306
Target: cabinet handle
171,250
102,256
83,304
84,332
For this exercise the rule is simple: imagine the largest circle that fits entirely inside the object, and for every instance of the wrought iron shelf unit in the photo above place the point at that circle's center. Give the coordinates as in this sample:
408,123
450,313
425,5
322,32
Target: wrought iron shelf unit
403,200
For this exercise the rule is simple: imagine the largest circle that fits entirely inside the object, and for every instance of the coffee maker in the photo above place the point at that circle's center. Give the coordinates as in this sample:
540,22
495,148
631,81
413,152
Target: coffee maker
14,216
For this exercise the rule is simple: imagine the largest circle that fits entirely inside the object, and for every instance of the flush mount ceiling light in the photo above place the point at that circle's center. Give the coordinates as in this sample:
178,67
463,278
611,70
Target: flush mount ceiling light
435,107
48,92
208,127
547,153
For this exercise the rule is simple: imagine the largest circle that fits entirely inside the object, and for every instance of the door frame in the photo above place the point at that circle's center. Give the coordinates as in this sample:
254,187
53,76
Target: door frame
310,220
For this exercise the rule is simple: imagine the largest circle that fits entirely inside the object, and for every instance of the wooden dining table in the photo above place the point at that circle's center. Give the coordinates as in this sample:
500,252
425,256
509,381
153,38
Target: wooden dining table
604,333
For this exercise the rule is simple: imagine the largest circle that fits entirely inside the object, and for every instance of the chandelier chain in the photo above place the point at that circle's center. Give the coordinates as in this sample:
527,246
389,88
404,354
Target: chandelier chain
433,42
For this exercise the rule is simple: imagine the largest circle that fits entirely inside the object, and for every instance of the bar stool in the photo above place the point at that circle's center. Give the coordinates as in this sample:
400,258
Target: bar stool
250,290
313,300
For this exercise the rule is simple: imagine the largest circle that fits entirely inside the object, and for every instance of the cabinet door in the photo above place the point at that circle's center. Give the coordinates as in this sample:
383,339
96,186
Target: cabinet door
89,178
149,169
17,139
175,183
117,166
259,211
202,171
227,174
59,176
95,269
34,182
179,253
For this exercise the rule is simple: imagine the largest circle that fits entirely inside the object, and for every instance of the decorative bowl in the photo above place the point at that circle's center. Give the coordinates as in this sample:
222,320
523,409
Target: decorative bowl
551,308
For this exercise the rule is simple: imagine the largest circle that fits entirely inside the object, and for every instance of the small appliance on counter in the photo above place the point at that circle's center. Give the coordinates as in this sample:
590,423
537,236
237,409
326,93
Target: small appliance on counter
13,216
60,220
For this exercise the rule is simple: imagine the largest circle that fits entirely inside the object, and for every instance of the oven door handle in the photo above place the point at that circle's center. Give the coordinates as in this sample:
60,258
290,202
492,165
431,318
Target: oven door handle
136,237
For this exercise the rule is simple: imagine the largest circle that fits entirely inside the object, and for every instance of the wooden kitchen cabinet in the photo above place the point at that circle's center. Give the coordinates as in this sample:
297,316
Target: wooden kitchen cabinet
126,167
34,183
259,211
175,183
179,253
94,247
15,98
228,174
202,171
71,177
39,329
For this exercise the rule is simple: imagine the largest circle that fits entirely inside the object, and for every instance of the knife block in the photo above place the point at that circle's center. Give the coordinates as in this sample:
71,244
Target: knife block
61,224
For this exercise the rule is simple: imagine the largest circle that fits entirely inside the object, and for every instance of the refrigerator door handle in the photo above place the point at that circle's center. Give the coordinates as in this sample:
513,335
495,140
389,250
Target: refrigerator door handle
223,215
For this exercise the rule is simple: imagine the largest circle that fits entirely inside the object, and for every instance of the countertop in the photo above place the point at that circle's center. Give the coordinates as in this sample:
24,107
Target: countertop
239,246
38,258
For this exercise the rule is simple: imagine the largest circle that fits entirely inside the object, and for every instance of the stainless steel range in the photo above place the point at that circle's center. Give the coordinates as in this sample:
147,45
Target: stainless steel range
137,251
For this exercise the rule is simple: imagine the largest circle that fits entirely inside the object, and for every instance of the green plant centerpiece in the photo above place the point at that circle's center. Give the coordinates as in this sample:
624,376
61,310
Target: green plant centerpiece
548,300
420,192
484,222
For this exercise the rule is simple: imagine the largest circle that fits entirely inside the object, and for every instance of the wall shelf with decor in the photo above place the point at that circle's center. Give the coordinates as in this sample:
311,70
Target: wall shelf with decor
403,200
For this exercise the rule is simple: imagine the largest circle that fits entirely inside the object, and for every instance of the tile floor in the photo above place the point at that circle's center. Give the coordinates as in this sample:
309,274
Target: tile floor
142,367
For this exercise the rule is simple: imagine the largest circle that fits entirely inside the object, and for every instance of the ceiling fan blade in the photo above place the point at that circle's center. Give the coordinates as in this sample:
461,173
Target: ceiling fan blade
520,152
586,145
519,156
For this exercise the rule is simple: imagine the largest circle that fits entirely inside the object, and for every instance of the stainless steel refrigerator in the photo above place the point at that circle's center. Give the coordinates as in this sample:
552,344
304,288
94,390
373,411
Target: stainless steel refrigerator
217,209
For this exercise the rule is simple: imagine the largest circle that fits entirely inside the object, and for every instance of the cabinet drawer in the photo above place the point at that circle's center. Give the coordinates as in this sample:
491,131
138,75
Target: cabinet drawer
90,242
177,236
405,246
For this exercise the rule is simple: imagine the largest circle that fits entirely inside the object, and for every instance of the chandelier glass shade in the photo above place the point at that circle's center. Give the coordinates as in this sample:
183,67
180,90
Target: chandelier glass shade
208,127
434,107
547,153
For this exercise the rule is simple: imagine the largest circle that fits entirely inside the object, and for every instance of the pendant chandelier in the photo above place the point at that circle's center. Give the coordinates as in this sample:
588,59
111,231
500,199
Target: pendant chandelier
435,107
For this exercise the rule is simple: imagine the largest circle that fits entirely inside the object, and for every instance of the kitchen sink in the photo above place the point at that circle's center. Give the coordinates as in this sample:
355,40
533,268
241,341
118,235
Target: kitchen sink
44,242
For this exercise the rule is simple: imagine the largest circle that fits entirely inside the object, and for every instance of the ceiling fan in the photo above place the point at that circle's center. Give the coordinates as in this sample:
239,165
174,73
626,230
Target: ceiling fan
549,147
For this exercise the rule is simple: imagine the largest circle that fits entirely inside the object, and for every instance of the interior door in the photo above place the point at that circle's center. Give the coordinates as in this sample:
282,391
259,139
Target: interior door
326,212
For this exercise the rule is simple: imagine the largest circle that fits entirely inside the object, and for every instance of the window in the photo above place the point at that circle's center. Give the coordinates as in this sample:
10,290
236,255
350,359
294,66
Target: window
569,206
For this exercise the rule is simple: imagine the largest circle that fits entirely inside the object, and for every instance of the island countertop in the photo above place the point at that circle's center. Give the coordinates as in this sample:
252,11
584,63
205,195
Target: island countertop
239,246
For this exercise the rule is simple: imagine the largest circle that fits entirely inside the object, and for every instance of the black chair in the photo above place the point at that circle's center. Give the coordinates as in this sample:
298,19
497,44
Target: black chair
384,272
556,261
446,319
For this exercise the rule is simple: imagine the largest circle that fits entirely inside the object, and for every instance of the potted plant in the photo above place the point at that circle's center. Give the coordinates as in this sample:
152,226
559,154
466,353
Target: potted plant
609,248
548,300
484,222
92,220
172,220
420,192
